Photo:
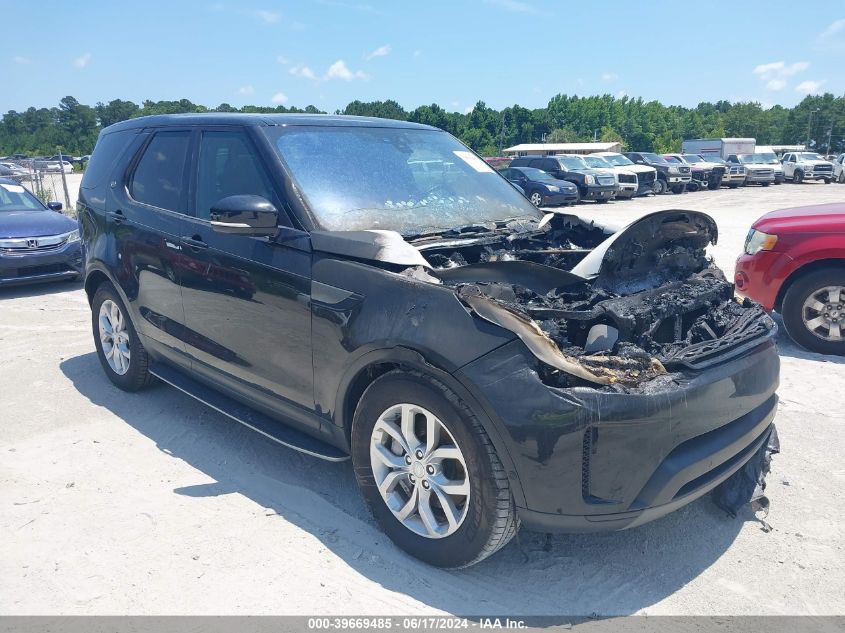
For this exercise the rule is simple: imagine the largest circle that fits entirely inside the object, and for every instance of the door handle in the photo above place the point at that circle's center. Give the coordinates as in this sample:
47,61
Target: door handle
194,242
116,216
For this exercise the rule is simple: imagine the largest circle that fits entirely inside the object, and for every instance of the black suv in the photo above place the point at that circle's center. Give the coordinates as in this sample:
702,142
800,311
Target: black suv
592,184
669,177
372,289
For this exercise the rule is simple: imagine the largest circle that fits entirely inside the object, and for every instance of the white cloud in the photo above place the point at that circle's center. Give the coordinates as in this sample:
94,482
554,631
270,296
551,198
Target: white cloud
284,61
381,51
609,76
302,71
780,69
83,60
833,36
19,59
279,98
246,90
621,94
810,86
339,70
468,109
268,17
775,74
515,6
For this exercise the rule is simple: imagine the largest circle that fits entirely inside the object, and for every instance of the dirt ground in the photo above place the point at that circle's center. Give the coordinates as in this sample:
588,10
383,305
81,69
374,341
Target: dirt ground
151,503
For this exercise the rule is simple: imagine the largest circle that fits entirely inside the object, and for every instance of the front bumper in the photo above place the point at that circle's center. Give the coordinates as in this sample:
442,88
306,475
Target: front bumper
34,267
752,178
599,192
815,175
677,180
590,460
626,190
554,199
759,277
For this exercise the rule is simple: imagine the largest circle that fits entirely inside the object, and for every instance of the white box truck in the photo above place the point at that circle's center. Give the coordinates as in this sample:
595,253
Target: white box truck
720,147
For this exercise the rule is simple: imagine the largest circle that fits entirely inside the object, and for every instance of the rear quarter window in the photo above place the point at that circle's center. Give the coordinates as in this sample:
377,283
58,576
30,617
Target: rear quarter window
107,154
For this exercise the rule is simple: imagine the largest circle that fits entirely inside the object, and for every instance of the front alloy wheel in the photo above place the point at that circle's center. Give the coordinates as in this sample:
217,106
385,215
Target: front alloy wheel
813,310
420,471
536,199
823,313
429,472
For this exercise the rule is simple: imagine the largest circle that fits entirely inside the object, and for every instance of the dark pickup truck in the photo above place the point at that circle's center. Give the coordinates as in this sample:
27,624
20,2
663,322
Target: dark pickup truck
674,177
592,184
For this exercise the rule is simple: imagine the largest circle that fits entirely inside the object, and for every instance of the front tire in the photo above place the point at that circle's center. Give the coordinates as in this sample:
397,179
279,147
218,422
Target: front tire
798,177
659,187
429,473
679,189
842,178
827,181
814,311
119,349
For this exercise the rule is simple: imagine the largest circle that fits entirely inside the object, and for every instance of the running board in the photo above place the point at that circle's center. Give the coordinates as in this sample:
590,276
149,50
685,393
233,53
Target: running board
249,417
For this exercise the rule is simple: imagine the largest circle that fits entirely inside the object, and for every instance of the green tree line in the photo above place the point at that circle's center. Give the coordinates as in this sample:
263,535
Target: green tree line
638,124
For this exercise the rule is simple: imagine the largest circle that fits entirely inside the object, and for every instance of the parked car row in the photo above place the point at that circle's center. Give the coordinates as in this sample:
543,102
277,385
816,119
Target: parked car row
56,163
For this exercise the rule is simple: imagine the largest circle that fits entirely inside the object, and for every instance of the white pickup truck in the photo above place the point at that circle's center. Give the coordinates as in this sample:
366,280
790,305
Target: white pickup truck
801,166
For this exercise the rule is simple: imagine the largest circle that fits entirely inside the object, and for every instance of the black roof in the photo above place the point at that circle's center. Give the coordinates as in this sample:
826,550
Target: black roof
260,119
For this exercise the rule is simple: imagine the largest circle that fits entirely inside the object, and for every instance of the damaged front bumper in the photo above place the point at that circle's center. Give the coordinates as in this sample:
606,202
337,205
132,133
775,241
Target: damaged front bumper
595,460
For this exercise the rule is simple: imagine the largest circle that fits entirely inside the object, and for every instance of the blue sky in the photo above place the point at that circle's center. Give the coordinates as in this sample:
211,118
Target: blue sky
330,52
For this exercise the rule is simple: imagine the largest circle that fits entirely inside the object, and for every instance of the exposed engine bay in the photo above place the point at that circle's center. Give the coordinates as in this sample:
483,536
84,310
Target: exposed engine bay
614,312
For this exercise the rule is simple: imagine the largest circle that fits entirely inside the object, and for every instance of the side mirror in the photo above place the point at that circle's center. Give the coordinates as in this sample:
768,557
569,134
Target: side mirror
55,206
244,214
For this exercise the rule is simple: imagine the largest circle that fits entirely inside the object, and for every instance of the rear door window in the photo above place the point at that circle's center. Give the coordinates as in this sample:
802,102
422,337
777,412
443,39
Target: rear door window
159,177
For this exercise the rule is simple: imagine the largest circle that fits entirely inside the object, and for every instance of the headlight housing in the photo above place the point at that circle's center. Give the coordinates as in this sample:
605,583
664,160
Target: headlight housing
590,180
674,170
757,241
553,188
73,236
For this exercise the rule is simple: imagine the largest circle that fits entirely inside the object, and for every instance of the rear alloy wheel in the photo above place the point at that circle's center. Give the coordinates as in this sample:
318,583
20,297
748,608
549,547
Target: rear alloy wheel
119,349
536,199
798,177
429,473
814,311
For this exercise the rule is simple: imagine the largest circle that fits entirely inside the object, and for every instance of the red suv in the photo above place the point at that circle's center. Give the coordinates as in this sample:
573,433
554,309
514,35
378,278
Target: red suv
794,262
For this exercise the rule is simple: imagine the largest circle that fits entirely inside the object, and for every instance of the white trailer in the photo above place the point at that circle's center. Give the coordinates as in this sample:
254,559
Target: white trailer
720,147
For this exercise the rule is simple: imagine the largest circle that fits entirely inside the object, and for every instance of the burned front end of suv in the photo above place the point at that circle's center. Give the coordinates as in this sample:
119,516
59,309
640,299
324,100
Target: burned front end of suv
632,383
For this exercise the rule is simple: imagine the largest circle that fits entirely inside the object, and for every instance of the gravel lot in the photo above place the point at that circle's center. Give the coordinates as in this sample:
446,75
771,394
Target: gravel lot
151,503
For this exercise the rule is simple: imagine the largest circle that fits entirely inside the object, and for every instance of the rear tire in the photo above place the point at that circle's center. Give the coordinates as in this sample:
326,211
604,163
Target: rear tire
134,361
488,518
798,316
